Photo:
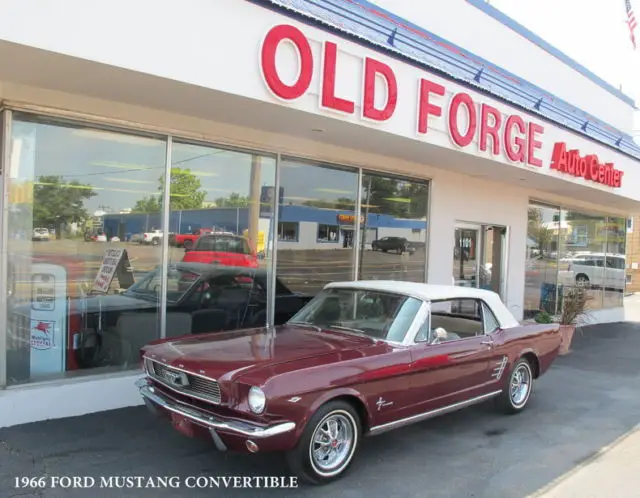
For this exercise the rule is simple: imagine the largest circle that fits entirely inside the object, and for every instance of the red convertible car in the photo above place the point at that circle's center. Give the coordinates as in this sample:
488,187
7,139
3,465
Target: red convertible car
359,359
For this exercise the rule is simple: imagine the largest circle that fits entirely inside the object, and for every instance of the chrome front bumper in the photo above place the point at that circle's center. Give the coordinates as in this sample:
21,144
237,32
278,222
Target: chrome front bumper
152,396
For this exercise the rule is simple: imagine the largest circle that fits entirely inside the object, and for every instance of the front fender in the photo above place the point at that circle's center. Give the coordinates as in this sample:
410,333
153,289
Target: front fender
324,398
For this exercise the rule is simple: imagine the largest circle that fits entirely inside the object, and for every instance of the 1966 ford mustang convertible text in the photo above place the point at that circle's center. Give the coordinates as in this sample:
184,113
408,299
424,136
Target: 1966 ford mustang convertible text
359,359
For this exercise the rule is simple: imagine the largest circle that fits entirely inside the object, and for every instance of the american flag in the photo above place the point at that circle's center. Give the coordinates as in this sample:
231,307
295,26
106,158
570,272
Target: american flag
631,21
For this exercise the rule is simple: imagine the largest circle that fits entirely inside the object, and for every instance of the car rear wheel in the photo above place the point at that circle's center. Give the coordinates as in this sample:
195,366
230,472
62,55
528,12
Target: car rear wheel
327,445
582,281
516,395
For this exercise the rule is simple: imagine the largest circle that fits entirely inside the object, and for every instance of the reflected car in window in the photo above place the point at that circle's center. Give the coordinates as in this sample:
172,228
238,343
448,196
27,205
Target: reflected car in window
396,244
218,249
109,330
359,359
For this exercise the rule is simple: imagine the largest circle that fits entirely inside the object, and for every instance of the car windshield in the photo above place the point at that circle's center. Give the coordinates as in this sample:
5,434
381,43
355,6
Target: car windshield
217,243
379,315
179,282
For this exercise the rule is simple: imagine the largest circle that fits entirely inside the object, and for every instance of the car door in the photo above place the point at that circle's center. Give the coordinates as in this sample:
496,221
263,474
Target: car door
496,354
455,368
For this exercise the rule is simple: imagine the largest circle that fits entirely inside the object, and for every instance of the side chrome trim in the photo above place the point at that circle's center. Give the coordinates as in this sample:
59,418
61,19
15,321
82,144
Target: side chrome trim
379,429
211,421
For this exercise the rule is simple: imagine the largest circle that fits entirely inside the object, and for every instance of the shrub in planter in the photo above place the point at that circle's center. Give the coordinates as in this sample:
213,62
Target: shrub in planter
543,317
575,312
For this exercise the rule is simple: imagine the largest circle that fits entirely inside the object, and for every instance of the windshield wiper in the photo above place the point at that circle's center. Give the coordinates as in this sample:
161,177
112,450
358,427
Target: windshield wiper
349,330
307,324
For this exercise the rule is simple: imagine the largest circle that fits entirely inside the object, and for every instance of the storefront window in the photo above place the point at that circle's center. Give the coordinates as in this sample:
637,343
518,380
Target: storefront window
583,250
328,233
321,200
288,231
394,229
615,271
544,231
222,207
83,285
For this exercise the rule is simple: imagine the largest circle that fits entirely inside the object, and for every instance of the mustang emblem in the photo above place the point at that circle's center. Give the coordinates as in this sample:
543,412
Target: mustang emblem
178,379
382,403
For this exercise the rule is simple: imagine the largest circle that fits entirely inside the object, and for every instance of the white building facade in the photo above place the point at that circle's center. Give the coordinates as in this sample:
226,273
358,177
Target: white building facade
376,133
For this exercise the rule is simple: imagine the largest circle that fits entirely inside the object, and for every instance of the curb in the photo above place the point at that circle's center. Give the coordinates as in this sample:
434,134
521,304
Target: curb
597,455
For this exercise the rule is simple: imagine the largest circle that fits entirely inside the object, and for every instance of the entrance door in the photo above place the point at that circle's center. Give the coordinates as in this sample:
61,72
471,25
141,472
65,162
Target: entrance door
479,257
465,256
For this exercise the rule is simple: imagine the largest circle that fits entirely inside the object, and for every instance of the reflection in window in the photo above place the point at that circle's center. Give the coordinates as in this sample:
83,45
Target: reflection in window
393,228
288,231
544,230
79,263
328,233
320,200
583,248
229,196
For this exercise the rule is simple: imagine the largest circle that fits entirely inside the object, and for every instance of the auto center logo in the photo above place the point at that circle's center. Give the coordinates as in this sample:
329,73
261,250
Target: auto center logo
42,334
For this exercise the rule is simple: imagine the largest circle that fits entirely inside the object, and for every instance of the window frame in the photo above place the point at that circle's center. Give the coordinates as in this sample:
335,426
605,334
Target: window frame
479,302
297,237
323,241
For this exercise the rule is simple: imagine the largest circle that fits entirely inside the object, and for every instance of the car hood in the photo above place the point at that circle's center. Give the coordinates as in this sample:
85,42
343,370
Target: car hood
95,304
227,356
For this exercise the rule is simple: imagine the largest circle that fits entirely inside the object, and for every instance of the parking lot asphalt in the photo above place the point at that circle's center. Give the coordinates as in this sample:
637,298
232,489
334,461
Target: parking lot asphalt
586,401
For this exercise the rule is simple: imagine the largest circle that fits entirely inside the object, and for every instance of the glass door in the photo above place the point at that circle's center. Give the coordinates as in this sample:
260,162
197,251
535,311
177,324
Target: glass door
479,258
465,256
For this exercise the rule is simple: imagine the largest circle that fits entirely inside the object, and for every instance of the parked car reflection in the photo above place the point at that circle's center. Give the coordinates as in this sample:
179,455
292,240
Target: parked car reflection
109,330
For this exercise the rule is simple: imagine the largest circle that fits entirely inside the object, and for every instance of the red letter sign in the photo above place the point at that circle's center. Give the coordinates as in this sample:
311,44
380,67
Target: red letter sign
487,128
268,61
456,102
516,154
534,144
425,108
373,67
559,157
329,98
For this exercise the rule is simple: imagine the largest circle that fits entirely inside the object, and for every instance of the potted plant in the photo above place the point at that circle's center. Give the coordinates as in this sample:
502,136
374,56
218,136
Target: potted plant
543,317
575,312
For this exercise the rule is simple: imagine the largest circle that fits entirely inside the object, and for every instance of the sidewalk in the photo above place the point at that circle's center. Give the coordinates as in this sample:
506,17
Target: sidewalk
614,472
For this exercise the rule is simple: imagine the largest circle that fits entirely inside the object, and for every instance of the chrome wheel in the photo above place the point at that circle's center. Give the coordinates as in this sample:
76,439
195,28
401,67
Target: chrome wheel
520,386
333,443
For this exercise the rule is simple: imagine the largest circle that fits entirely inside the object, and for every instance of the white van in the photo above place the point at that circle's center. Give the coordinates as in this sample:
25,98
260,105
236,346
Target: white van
595,270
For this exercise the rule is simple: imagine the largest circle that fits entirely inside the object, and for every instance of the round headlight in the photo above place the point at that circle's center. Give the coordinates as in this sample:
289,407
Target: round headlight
257,400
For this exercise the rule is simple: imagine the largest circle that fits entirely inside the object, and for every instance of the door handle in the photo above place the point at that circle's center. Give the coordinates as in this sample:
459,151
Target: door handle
487,342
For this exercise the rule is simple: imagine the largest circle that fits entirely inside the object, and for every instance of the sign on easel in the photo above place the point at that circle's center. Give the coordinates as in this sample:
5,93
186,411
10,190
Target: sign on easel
114,263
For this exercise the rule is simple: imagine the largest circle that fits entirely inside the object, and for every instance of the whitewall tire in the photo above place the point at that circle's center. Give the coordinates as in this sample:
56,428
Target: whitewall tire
327,445
517,392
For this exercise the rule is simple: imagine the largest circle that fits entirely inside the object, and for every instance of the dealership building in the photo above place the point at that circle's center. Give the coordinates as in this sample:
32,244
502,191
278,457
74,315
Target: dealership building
511,170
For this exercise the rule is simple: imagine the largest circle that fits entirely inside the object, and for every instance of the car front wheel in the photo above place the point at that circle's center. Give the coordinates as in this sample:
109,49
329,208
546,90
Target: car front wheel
327,445
515,397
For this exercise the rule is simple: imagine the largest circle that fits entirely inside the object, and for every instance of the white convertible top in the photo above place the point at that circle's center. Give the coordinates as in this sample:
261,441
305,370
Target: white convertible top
432,292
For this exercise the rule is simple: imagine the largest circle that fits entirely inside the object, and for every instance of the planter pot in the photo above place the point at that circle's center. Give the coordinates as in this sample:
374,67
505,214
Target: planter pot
566,332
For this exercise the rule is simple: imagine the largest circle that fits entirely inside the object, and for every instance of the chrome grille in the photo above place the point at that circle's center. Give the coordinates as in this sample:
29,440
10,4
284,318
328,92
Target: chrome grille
198,387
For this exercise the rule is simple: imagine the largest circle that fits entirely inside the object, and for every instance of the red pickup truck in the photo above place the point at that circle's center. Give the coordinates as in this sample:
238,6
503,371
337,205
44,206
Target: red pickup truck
187,240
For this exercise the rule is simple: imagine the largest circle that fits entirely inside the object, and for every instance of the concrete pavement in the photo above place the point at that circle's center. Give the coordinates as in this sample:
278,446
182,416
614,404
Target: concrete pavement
614,472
